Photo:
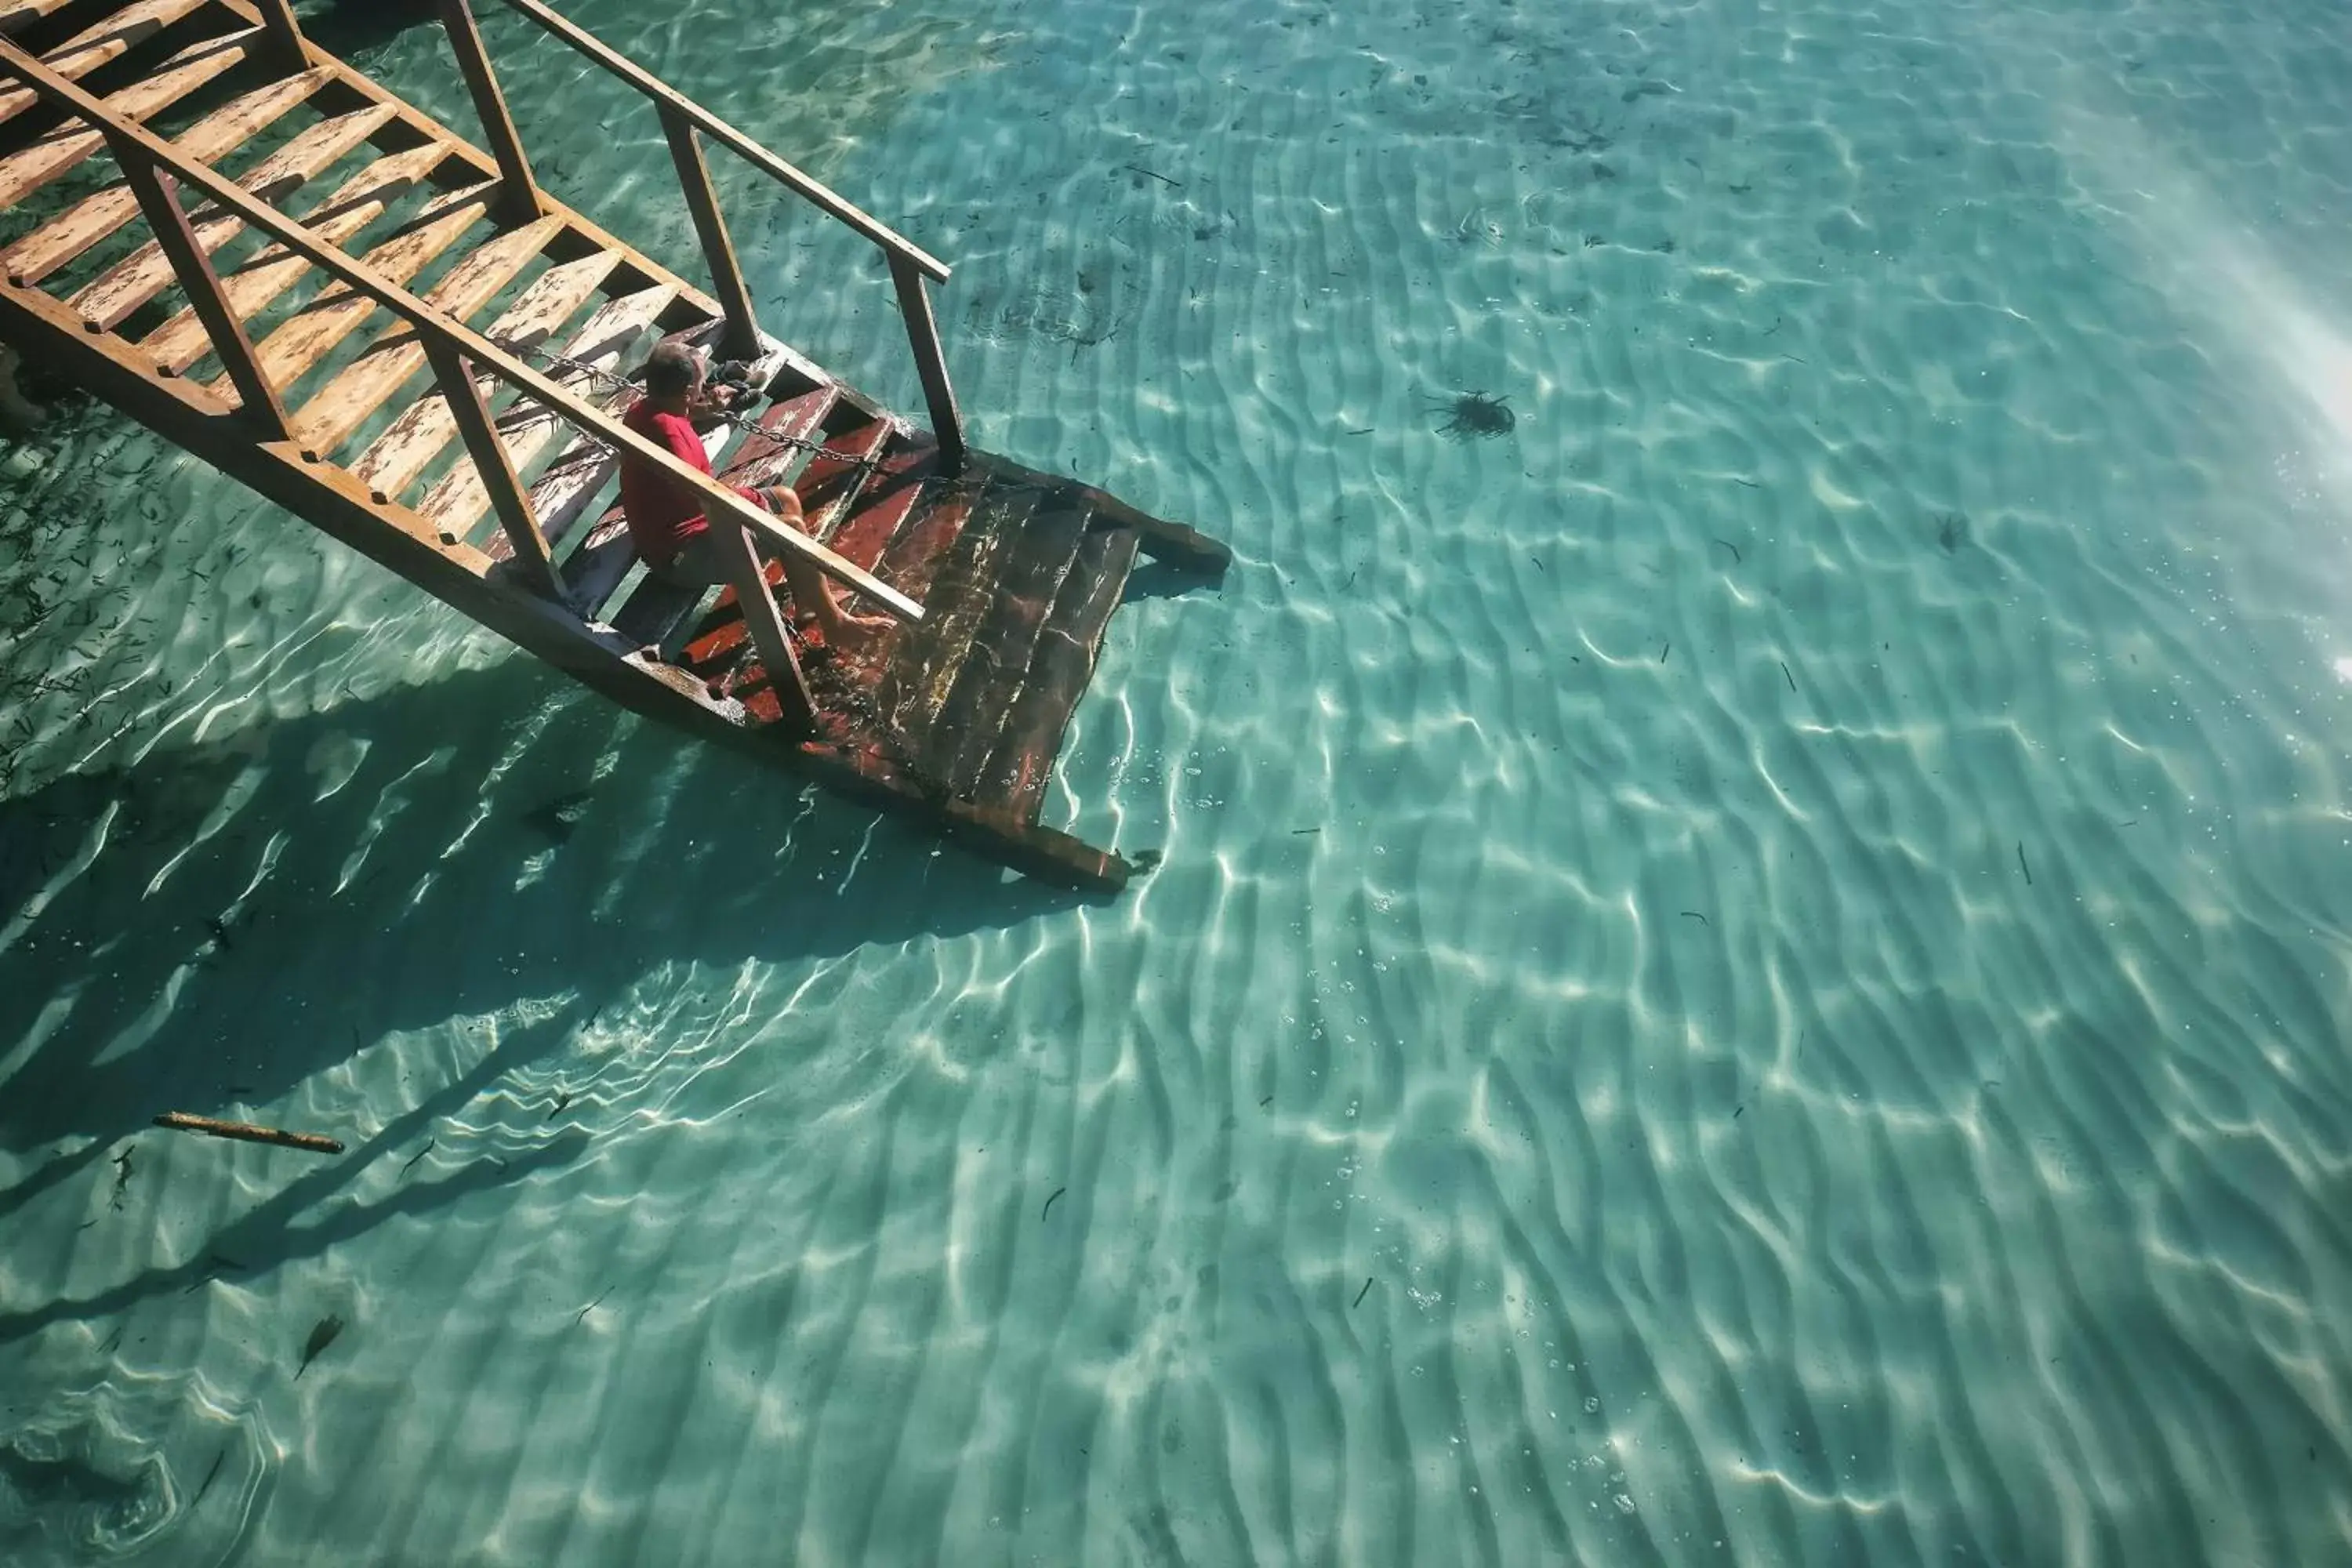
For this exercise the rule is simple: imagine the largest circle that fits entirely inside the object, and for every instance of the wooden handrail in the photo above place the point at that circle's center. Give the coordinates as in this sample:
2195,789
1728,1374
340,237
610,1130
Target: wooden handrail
718,500
672,101
912,268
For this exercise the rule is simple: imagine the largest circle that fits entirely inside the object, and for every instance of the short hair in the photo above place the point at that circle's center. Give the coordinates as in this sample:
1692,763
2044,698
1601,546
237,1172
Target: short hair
671,369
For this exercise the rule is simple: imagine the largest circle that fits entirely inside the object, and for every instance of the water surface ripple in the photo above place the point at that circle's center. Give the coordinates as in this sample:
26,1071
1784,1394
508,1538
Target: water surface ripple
1751,970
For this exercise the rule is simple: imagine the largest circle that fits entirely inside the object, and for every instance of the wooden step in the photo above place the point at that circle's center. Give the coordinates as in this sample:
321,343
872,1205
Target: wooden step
360,388
324,423
913,557
925,662
28,169
358,202
311,335
394,459
109,298
835,476
888,498
97,45
1035,563
214,137
1021,763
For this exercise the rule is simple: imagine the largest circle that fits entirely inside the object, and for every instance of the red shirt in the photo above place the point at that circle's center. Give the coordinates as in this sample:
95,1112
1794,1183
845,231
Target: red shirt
663,514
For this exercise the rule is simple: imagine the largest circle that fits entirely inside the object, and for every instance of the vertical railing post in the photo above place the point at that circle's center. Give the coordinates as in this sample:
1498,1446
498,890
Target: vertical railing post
742,337
749,578
519,197
923,333
159,198
286,50
491,464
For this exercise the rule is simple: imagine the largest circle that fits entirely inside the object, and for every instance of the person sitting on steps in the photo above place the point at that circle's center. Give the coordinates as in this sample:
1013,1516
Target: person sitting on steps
667,521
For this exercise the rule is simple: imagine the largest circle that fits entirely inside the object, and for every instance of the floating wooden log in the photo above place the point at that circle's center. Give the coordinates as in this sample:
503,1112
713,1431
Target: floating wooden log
245,1132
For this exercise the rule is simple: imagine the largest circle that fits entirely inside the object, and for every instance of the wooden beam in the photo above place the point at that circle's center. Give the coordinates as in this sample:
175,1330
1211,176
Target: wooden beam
761,618
742,339
923,333
287,50
159,198
665,97
455,379
519,197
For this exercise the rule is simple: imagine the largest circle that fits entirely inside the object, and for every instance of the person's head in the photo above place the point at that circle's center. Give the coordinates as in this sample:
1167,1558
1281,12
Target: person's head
673,373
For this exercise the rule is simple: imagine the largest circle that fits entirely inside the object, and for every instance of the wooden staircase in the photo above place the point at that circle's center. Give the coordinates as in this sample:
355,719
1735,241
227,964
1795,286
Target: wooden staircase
265,257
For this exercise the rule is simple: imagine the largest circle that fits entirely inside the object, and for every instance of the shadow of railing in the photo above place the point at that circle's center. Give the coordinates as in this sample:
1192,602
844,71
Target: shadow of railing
217,923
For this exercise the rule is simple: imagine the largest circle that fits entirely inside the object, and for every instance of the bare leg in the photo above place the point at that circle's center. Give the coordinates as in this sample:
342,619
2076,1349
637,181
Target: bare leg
811,594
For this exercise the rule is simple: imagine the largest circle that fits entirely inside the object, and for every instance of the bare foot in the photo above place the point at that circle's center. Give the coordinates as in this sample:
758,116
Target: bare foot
848,632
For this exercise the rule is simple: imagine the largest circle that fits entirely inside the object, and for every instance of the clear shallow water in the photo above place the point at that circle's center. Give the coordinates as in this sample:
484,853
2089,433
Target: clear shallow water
1596,909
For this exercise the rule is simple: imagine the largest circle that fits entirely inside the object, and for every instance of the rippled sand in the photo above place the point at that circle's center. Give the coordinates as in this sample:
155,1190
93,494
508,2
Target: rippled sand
1753,970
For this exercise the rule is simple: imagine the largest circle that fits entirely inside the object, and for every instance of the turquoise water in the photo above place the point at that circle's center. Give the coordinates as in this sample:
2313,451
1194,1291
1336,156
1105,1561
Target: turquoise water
1753,971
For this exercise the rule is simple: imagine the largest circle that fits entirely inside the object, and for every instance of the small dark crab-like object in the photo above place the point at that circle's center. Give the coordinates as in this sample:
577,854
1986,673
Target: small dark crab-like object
1475,416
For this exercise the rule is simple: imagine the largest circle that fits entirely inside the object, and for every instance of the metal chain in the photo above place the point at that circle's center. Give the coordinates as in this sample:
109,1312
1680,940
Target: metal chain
550,359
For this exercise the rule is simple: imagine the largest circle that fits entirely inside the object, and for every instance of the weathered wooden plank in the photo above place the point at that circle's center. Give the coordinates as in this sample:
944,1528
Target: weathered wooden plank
768,456
158,197
1021,763
28,169
96,217
1036,564
94,46
360,388
924,664
922,545
311,333
138,277
898,481
602,562
871,775
904,536
887,500
652,614
407,448
518,196
361,200
837,475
